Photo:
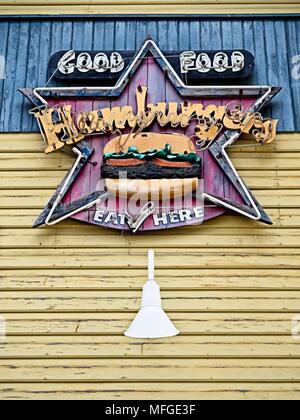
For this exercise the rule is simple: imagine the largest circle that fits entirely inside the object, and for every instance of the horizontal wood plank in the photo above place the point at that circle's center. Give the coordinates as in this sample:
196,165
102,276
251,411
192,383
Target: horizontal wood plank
57,347
39,161
150,2
169,279
150,391
195,323
40,180
152,371
136,258
129,301
132,8
204,236
36,199
25,161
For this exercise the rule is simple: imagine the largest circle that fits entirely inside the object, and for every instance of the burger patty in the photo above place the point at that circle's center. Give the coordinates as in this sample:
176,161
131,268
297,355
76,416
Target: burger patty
151,171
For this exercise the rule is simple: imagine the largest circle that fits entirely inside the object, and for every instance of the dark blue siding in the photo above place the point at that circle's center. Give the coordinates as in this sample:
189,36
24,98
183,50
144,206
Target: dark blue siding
28,44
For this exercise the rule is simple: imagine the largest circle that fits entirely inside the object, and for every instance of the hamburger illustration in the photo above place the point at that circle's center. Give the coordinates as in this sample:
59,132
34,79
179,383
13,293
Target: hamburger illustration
152,165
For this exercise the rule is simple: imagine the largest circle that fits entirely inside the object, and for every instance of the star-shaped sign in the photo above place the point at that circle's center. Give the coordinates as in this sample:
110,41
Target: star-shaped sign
262,96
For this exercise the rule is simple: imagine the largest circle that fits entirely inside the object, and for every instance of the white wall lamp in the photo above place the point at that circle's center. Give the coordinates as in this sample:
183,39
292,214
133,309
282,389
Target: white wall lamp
151,320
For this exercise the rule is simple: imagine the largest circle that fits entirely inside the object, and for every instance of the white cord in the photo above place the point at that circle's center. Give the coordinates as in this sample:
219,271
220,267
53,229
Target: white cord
151,276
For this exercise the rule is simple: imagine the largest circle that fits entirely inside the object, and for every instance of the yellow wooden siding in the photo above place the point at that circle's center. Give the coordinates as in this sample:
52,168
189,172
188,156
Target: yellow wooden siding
231,286
148,7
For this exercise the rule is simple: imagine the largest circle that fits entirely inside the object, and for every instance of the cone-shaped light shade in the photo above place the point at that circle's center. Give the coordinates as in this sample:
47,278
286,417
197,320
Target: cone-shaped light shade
151,320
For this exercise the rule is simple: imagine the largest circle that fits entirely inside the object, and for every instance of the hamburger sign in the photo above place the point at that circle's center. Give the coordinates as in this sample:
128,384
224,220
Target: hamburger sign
150,152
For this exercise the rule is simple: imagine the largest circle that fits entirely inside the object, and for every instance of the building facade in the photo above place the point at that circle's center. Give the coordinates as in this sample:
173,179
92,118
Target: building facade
231,285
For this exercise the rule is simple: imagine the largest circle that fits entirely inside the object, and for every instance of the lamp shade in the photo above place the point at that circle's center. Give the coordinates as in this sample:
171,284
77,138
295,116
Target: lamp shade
151,320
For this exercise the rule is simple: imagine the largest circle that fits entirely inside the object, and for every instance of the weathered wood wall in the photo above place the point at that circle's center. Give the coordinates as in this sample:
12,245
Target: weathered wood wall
68,292
148,6
28,43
